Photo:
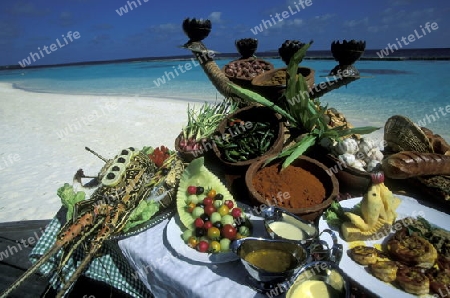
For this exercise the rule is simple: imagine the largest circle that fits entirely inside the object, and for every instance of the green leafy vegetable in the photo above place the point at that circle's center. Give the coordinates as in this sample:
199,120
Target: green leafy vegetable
144,211
335,215
69,198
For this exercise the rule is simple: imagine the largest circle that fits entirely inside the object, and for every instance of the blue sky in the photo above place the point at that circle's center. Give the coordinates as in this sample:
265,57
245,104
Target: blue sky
152,29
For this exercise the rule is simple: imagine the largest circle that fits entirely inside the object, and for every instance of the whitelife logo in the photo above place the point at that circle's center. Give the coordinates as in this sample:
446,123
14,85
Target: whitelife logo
266,24
53,47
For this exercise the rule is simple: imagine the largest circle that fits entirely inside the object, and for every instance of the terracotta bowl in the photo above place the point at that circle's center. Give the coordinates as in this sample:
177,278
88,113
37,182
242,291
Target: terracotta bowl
273,92
186,156
351,181
255,114
242,80
313,166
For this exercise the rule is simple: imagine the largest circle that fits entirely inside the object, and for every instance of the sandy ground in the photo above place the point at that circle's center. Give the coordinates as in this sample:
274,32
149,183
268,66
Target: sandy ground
42,140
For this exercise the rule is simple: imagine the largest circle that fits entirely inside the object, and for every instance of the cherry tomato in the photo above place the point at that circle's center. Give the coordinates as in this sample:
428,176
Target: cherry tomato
215,246
229,203
203,246
192,190
211,194
229,232
214,233
207,225
192,241
210,210
198,223
236,212
223,210
190,207
207,201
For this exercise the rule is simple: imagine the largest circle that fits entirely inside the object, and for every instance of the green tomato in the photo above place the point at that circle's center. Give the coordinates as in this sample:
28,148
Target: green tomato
227,219
217,204
186,235
244,231
215,217
197,212
192,199
225,244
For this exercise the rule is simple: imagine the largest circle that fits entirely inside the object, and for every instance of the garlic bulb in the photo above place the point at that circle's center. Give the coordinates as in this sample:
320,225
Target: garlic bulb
375,154
357,164
347,158
372,165
365,145
348,145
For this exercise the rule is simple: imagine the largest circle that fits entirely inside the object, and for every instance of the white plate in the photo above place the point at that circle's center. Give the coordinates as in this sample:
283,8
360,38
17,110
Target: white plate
408,207
174,232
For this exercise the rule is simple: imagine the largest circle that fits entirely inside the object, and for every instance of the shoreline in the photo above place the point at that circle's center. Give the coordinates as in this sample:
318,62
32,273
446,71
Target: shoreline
44,135
158,97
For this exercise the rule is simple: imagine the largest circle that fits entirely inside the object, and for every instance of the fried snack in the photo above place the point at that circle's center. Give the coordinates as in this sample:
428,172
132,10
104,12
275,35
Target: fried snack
443,264
364,255
439,280
385,271
412,250
413,281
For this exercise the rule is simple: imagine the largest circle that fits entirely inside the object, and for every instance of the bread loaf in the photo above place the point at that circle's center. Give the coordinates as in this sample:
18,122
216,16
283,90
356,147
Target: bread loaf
407,164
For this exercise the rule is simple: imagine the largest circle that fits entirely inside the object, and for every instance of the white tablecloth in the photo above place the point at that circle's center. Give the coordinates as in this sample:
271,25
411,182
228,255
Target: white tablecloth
168,274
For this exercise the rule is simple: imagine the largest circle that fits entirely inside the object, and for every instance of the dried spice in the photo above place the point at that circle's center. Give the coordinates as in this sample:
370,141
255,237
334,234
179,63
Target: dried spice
278,78
304,189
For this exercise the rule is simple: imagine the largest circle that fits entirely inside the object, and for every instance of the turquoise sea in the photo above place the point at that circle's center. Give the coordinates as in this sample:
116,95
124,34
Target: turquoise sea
418,89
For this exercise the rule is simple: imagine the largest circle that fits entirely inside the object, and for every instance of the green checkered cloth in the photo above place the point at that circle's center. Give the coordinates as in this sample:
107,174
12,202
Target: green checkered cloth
110,266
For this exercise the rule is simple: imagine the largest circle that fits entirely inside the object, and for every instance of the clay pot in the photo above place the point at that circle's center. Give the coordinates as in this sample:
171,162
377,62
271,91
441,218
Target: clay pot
255,114
273,92
316,168
186,156
352,181
250,63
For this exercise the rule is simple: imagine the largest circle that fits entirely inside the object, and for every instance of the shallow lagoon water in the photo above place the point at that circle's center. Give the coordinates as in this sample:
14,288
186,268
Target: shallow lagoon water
417,89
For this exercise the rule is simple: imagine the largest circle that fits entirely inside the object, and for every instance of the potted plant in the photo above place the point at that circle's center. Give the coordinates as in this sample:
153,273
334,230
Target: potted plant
194,139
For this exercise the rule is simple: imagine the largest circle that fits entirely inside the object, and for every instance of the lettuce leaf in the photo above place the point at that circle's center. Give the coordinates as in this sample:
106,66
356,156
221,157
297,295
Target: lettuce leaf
69,198
143,212
335,215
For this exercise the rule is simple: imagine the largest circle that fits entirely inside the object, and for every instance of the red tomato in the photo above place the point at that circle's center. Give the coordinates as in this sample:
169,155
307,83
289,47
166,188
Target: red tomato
207,225
198,223
229,232
236,212
203,246
192,190
229,204
207,201
209,209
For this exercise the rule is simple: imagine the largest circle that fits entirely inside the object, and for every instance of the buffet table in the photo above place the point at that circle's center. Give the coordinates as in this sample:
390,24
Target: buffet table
168,273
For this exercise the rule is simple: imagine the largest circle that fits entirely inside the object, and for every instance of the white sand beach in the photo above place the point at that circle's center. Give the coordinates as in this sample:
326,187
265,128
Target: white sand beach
43,136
